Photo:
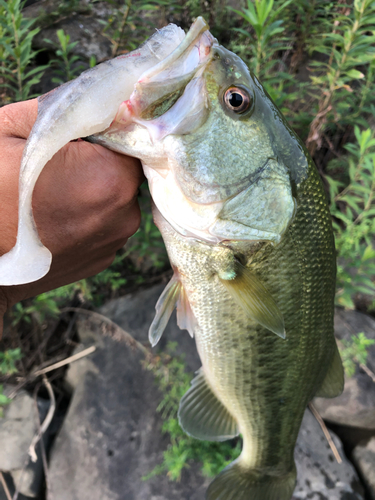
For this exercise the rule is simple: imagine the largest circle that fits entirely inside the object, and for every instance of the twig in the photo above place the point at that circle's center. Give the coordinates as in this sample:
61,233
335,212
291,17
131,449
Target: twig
46,421
43,450
122,27
369,372
5,486
66,361
316,414
121,333
49,368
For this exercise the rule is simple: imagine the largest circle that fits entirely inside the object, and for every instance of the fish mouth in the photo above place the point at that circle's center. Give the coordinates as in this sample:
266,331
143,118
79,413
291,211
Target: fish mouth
159,89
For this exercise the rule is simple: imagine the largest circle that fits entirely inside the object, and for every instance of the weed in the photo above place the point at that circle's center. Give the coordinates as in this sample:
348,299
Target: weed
130,23
4,400
349,49
173,382
8,361
65,63
17,56
266,40
355,351
353,209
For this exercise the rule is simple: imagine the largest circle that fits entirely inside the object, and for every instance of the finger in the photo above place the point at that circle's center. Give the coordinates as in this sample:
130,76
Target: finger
17,120
86,189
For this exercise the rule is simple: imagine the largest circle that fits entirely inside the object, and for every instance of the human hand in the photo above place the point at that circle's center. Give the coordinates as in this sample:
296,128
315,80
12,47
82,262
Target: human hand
84,204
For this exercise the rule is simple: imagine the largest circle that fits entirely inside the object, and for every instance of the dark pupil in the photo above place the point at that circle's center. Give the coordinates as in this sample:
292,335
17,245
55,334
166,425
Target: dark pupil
235,100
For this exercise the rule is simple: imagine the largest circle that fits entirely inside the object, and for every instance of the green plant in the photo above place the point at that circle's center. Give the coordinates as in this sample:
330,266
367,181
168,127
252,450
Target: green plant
353,209
65,64
8,361
348,50
355,351
17,56
173,382
148,243
4,400
130,22
266,39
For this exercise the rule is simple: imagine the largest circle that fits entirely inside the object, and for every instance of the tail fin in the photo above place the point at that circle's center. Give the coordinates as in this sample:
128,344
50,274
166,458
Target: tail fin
238,483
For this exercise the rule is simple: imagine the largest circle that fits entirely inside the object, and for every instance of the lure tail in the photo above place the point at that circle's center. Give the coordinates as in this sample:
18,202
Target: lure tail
236,482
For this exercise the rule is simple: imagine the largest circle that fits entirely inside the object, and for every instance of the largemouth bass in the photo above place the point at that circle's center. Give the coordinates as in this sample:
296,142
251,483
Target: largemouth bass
243,214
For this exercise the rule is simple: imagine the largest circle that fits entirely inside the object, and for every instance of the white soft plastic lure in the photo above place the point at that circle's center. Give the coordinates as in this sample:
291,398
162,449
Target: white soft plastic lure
85,106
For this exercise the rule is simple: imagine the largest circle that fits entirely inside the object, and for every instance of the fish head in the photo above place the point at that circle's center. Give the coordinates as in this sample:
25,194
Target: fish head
221,161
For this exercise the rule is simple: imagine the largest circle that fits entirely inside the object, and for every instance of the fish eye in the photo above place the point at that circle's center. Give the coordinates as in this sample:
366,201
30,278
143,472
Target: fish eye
237,99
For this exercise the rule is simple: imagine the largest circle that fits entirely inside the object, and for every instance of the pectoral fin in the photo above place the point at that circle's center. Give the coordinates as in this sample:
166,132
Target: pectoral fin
164,308
203,416
246,289
333,384
185,316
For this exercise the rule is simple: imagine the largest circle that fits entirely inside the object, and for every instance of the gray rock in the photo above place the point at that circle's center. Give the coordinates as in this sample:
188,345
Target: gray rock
112,436
11,489
135,312
83,29
356,405
82,25
17,430
319,475
78,370
364,458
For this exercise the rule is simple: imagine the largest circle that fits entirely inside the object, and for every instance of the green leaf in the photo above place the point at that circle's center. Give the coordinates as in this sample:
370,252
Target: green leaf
369,253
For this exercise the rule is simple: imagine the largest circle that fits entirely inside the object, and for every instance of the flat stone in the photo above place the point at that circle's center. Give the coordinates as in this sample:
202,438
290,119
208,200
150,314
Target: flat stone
135,312
17,429
112,437
356,405
319,475
11,489
82,25
364,458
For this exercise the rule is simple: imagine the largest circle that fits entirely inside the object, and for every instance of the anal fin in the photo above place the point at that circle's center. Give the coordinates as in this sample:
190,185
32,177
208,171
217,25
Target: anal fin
203,416
164,308
333,384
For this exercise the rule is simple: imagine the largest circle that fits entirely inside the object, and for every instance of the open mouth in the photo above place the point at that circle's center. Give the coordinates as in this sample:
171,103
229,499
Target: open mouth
160,88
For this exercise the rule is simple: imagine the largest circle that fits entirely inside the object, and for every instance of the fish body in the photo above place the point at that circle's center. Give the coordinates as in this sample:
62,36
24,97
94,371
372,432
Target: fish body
243,214
263,381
